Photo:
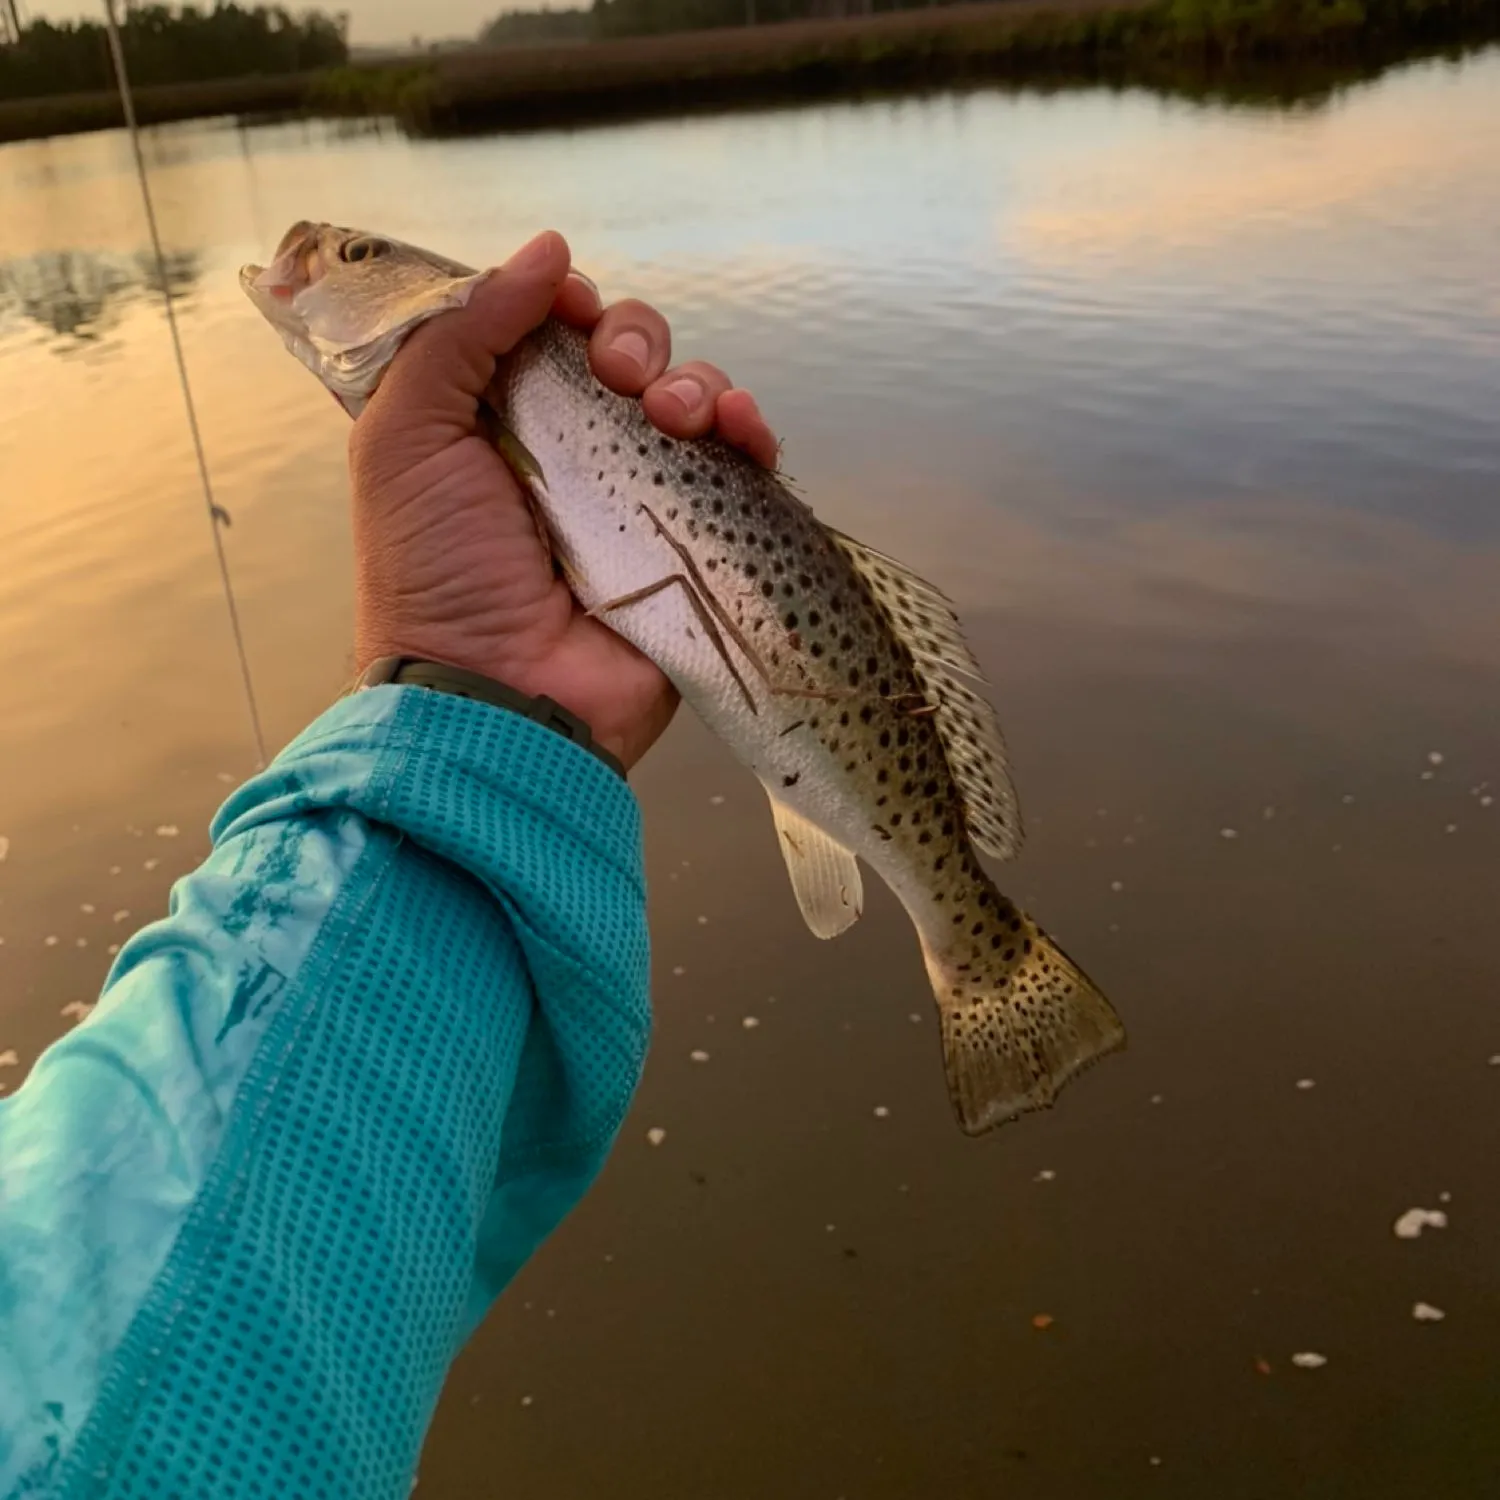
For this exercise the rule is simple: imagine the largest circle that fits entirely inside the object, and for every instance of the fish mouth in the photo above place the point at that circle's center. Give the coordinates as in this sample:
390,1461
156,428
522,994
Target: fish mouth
297,263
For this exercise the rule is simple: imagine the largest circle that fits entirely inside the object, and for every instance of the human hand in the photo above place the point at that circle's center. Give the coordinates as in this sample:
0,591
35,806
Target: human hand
448,562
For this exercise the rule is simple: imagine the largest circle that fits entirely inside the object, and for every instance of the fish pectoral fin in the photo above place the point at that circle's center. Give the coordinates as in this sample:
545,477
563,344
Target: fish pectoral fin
523,463
825,875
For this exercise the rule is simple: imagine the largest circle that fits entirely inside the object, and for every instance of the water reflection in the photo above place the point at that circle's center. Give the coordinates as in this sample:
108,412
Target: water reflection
77,296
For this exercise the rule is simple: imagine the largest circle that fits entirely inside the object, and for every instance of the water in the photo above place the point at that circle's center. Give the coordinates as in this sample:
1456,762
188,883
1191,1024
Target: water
1194,413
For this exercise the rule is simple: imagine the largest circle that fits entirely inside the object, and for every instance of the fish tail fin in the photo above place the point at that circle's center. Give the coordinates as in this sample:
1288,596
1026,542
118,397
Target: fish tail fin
1019,1017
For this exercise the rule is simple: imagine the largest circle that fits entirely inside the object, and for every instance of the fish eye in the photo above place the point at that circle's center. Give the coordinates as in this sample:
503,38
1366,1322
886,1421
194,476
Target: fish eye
365,248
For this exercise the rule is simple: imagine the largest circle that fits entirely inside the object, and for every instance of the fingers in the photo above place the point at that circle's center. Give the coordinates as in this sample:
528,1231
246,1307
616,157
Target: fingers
630,346
682,401
740,424
578,302
444,367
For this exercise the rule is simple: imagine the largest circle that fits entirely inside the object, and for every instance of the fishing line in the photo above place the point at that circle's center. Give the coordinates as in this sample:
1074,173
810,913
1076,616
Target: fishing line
217,516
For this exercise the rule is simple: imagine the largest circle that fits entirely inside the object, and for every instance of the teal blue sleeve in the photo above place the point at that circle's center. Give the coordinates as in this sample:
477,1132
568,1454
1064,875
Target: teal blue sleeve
252,1207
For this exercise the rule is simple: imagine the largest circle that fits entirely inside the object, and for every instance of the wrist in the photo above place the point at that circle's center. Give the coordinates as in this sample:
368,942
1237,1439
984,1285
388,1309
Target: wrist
429,675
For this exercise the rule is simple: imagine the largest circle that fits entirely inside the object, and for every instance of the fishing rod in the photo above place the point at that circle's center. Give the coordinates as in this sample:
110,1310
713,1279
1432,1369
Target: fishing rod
218,517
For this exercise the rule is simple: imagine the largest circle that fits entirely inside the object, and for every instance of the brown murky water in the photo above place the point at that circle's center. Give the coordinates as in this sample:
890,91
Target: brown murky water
1195,413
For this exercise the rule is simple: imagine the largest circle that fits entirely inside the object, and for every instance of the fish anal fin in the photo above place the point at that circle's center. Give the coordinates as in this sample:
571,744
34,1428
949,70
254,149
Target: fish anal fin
825,875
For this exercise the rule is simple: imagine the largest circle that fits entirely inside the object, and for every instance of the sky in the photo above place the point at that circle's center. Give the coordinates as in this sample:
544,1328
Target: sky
370,21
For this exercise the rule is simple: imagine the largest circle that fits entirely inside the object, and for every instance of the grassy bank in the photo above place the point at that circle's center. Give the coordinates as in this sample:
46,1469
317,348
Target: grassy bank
1279,48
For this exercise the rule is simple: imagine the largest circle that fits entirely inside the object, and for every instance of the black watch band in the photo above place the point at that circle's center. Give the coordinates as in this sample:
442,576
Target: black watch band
412,671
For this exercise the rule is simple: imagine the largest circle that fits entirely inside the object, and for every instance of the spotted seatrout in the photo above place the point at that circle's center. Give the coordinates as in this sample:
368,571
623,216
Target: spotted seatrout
833,672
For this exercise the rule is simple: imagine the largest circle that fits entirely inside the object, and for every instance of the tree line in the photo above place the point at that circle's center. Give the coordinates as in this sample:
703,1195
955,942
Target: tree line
166,45
609,18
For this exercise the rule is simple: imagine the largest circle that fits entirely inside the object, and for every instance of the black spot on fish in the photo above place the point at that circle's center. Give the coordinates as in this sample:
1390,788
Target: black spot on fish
658,477
791,780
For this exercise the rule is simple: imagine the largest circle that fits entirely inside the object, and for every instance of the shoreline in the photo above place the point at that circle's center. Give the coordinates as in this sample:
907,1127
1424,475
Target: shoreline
1299,52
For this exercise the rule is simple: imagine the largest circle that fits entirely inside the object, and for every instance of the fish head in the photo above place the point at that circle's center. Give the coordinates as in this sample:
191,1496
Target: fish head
343,300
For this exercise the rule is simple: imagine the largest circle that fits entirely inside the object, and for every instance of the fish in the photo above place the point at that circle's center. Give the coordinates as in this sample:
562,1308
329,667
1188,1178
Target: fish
839,677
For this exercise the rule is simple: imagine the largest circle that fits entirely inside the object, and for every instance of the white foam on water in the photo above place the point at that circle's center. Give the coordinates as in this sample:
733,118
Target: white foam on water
1411,1224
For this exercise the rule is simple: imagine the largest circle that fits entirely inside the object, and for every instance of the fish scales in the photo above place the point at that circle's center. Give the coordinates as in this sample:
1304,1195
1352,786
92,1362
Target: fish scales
839,678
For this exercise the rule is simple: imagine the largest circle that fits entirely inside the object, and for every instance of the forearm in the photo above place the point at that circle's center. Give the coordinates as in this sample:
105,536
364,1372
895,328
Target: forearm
251,1209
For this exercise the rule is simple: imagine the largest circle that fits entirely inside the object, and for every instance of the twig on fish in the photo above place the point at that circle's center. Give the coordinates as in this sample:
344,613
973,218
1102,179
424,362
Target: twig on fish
705,619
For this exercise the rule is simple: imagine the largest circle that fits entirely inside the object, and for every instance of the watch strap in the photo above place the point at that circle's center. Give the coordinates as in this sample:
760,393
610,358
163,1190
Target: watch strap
441,677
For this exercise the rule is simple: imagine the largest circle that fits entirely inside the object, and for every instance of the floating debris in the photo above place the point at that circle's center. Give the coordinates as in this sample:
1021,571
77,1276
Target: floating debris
1155,1461
87,907
1045,1175
1306,1083
1042,1320
150,864
915,1019
1157,1098
50,940
1310,1360
115,869
678,970
1117,885
8,1059
716,801
1435,757
1445,1197
1263,1366
1495,1060
1425,1312
1348,798
1486,800
1411,1224
76,1010
113,948
525,1400
656,1135
699,1055
4,848
750,1023
1268,812
703,921
120,915
167,831
224,776
881,1112
80,942
1229,833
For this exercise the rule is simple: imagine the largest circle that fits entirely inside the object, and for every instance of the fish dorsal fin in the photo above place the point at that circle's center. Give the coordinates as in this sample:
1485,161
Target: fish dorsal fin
825,875
924,620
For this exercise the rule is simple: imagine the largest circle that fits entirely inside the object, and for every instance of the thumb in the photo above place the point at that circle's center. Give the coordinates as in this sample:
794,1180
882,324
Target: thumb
441,371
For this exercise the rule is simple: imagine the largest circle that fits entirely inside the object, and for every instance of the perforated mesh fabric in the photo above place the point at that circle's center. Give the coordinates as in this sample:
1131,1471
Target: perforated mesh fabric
442,1079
